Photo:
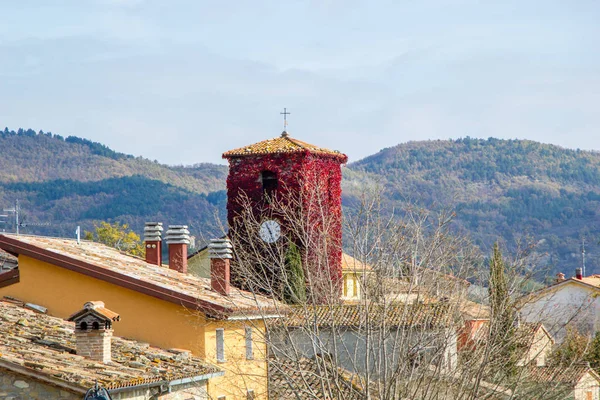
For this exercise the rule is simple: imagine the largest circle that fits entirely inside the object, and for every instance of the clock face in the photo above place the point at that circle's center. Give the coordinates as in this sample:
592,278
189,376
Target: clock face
270,231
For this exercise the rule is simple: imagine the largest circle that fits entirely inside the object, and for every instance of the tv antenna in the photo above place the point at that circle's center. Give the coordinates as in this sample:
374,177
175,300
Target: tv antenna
20,223
15,210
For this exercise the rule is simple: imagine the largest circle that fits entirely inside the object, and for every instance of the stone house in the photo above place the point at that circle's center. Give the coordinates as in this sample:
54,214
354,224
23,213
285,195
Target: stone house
165,307
44,357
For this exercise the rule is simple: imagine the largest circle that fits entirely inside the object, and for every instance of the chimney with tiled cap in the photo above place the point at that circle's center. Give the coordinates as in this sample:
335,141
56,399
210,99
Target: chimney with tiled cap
153,242
578,273
178,239
560,277
220,253
93,331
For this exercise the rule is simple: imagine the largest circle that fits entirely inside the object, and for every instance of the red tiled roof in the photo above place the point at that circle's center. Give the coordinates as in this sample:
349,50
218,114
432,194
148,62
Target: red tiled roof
282,145
45,346
110,265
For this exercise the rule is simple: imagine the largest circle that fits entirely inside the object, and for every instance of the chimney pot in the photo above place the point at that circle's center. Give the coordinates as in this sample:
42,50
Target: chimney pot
153,242
93,331
578,273
178,239
220,253
560,277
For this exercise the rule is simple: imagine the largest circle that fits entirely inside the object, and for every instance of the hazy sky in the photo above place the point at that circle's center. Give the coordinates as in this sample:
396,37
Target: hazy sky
183,81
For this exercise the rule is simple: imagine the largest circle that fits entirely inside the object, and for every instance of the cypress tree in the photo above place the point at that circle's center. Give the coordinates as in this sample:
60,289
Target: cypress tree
502,328
294,290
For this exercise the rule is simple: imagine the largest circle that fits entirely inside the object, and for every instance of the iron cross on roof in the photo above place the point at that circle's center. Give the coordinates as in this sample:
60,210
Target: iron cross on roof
285,114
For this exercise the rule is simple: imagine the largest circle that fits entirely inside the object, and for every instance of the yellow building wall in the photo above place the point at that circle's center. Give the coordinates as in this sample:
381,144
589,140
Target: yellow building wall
148,319
241,374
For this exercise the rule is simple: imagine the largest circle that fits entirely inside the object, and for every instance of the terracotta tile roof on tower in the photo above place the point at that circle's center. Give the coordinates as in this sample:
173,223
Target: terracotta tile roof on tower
44,346
108,264
282,145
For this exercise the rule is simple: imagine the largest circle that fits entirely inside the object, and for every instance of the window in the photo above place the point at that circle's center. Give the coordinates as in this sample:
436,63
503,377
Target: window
222,398
249,350
250,394
221,345
269,182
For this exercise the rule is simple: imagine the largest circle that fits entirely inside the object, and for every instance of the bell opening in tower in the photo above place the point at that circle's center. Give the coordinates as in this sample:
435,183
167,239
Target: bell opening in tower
269,183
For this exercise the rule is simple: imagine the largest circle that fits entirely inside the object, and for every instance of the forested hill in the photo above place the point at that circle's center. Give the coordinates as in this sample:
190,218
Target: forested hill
500,189
72,181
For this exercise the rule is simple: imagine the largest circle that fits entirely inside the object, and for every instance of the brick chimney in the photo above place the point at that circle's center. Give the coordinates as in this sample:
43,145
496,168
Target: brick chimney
220,254
578,273
93,331
560,277
153,242
178,238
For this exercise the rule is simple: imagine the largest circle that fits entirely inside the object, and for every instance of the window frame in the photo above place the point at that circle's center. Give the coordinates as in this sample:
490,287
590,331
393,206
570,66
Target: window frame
220,344
249,343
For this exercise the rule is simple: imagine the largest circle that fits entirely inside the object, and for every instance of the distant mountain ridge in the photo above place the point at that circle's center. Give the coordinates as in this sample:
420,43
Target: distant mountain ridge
500,189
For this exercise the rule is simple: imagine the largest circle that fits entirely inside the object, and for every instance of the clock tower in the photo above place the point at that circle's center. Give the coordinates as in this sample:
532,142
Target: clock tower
301,177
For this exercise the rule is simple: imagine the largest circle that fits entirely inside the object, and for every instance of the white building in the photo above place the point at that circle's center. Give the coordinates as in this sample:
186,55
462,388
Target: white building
574,301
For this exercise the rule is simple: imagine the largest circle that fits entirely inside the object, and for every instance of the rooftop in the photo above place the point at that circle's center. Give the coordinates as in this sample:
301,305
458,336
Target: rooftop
283,144
45,346
7,259
559,374
302,378
375,314
350,263
106,263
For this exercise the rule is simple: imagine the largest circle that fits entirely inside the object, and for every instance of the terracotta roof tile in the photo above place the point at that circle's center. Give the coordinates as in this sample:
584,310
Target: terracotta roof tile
46,345
97,308
7,260
303,378
350,263
355,315
109,261
282,145
558,374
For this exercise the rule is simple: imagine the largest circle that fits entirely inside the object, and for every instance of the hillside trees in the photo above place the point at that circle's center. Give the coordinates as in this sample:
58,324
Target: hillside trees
118,236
